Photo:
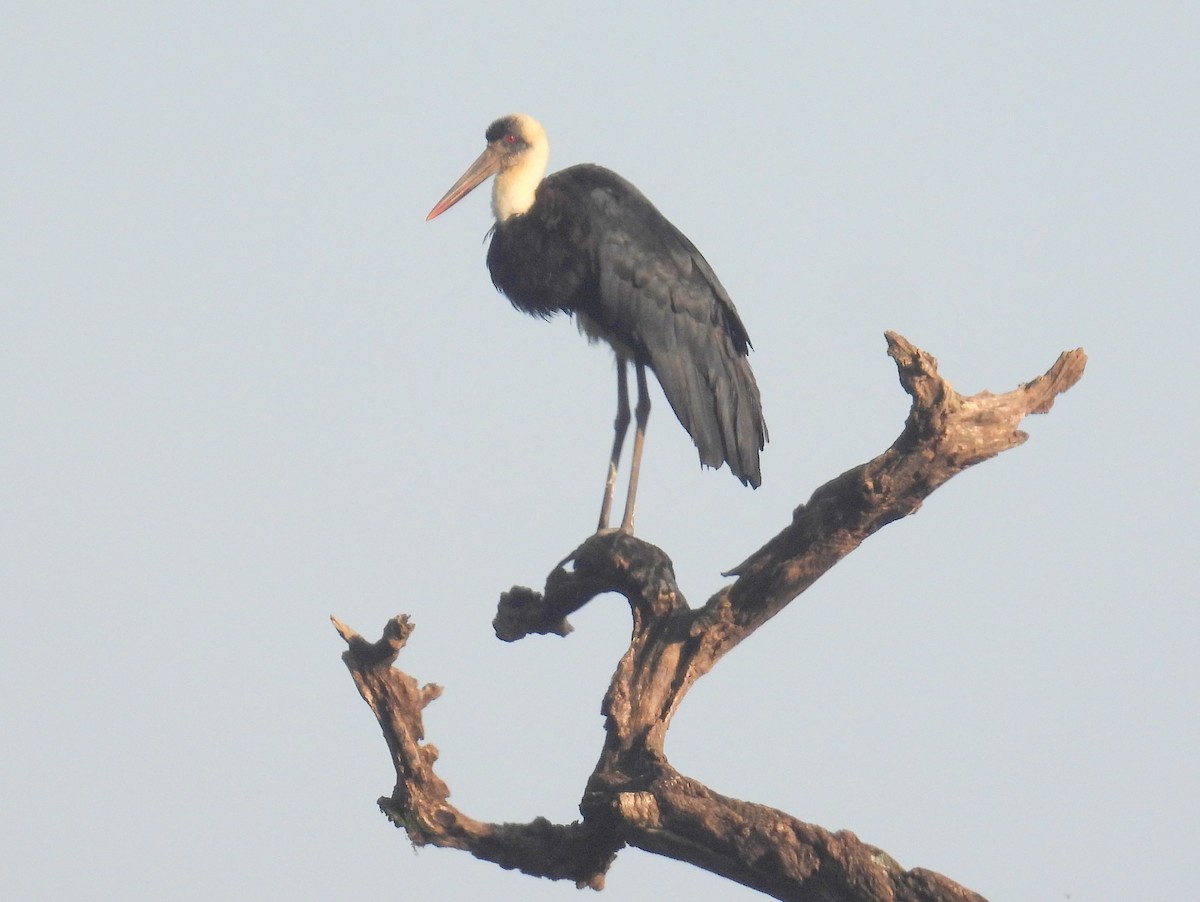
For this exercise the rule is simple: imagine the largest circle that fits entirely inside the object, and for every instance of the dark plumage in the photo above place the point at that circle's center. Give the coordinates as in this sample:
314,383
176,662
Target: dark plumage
597,248
586,242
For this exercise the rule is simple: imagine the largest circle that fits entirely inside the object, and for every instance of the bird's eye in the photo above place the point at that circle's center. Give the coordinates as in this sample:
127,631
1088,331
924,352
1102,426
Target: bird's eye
510,139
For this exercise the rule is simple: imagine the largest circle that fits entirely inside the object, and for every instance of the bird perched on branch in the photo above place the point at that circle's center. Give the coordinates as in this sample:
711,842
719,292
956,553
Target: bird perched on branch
585,242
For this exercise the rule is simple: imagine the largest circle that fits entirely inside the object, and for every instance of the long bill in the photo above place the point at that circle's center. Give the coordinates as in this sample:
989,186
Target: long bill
487,164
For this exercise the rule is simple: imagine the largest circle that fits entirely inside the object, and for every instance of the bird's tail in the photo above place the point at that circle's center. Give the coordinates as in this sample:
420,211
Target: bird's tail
717,401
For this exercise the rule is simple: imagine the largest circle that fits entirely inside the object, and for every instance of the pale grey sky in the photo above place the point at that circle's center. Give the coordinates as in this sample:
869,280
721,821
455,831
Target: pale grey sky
244,385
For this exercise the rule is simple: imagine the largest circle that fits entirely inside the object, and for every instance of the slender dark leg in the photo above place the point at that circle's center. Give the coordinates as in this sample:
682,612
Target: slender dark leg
620,427
642,414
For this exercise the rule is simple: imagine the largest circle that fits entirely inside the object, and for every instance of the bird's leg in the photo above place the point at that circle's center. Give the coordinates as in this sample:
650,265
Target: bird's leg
620,427
642,415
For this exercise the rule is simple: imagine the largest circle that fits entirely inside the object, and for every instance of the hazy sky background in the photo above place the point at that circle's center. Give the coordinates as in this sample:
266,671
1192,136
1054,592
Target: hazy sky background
245,386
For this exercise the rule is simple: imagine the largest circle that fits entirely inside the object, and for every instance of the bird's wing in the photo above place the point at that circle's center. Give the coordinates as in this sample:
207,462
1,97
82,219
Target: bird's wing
659,297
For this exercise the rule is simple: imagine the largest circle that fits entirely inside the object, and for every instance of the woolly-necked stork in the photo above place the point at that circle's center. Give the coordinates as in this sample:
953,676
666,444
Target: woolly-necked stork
586,242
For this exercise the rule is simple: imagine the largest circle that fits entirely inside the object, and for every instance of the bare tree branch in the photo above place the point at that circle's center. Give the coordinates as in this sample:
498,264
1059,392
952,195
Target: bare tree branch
634,797
419,803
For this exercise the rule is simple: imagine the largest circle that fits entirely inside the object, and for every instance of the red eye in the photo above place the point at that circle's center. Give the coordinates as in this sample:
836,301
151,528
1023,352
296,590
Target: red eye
510,139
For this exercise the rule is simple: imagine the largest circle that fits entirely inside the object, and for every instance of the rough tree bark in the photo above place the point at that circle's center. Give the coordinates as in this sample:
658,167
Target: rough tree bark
634,797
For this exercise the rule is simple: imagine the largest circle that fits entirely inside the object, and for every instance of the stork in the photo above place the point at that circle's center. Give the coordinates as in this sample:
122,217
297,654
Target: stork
585,242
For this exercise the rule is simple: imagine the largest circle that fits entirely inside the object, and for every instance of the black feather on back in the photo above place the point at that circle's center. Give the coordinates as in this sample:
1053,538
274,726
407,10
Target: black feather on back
593,245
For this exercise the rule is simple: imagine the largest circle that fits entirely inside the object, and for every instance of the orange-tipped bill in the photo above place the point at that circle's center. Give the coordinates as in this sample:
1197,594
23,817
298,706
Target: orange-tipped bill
487,164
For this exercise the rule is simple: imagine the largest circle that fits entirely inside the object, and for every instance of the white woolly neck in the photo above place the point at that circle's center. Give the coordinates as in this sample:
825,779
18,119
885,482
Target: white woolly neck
515,186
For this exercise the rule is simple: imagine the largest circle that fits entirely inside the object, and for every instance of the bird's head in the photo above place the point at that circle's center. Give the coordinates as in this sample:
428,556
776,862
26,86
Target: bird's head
516,153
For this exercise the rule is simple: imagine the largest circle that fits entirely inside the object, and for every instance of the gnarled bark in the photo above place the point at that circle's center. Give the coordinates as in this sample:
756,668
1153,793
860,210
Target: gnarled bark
634,796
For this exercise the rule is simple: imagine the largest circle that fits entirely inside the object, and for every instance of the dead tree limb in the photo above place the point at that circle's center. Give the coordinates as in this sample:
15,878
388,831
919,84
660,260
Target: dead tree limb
634,797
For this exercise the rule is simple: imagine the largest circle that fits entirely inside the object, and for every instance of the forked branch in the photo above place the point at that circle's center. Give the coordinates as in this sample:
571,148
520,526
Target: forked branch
635,797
